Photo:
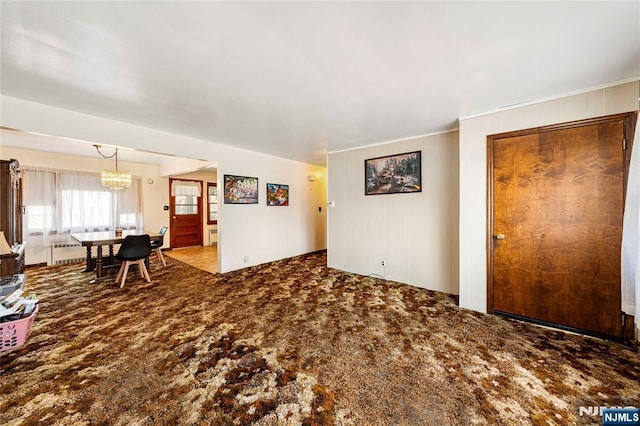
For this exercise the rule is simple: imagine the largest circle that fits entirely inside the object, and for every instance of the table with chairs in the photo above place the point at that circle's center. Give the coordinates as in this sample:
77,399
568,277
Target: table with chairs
136,247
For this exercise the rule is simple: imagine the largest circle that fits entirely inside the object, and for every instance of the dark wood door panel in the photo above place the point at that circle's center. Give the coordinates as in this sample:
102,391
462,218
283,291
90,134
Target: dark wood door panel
187,241
186,226
187,233
557,196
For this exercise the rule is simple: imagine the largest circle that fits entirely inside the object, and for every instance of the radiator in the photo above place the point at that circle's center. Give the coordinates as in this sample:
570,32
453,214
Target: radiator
213,236
65,251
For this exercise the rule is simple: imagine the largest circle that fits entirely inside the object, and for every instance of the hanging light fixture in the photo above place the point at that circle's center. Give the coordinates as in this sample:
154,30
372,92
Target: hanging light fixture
114,179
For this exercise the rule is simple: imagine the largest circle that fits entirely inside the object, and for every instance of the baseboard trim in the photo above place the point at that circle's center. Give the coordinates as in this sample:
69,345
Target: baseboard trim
560,326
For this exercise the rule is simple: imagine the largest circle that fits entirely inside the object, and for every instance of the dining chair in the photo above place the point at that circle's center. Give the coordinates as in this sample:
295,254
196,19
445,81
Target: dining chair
157,245
134,249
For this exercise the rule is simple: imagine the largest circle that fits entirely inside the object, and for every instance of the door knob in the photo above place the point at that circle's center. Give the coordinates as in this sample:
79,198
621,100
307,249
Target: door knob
499,236
174,217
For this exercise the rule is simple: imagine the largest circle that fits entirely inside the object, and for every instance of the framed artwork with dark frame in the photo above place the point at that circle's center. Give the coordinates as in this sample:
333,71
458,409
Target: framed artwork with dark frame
277,194
240,189
393,174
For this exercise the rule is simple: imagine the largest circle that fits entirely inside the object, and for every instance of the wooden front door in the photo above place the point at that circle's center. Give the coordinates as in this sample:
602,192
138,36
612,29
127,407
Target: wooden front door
556,223
186,218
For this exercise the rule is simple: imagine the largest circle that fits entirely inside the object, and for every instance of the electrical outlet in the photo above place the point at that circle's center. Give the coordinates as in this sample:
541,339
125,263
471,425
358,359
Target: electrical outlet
383,263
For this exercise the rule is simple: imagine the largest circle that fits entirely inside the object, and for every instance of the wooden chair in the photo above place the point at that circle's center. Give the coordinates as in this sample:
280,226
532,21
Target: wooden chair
134,249
157,245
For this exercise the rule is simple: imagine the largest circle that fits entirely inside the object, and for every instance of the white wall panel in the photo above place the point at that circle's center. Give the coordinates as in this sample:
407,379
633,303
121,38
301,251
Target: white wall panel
415,234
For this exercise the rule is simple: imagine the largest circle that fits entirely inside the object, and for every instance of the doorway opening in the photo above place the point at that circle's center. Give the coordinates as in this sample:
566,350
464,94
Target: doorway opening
193,203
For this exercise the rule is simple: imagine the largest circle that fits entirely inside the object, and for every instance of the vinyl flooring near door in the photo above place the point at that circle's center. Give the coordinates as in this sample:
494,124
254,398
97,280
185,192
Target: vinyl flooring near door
556,224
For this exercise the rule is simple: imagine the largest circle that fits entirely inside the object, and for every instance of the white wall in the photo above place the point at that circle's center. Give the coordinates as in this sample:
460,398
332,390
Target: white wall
281,228
177,165
262,233
473,169
415,234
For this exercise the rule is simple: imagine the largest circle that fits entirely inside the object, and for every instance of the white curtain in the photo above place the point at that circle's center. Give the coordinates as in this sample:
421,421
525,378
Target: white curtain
61,202
631,236
185,187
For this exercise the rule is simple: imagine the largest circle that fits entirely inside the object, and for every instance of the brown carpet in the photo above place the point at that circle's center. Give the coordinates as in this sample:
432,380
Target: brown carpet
293,342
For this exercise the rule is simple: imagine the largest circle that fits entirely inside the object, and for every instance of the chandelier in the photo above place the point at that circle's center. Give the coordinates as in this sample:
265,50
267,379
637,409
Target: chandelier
114,179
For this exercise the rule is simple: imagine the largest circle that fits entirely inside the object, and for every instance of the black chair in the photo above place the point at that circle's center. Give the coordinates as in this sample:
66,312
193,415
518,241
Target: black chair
157,245
134,249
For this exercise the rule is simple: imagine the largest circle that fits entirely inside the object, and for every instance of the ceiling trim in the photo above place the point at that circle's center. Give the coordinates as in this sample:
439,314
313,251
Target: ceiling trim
371,145
553,98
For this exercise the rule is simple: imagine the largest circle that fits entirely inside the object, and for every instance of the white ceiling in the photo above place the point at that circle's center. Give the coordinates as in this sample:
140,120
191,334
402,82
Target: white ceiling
298,79
18,139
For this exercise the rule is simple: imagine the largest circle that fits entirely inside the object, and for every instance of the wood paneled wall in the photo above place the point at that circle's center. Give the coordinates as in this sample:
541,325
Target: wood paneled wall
416,234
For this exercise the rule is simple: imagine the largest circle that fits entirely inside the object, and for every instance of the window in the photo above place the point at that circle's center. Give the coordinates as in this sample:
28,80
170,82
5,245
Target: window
39,218
86,209
212,204
186,204
186,196
128,220
61,201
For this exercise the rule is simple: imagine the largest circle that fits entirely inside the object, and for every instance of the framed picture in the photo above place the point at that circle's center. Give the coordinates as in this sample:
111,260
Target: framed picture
277,194
400,173
240,190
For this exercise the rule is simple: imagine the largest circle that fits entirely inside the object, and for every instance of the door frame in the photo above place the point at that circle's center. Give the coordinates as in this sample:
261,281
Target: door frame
629,119
172,206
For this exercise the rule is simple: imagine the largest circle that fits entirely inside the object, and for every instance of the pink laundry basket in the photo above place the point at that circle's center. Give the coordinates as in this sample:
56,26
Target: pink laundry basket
15,333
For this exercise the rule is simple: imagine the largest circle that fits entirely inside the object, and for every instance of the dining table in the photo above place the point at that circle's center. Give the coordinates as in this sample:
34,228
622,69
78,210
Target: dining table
99,239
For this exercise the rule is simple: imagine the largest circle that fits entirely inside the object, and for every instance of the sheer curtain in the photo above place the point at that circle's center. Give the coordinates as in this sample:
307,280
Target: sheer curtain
186,187
61,202
631,236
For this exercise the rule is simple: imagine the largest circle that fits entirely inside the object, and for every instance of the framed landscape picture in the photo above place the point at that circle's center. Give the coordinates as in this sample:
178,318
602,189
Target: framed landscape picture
277,194
240,190
400,173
